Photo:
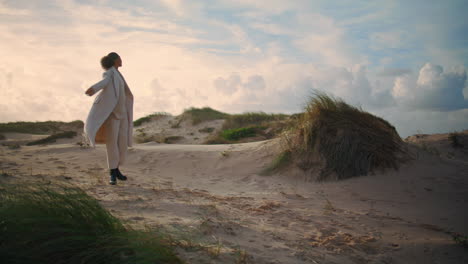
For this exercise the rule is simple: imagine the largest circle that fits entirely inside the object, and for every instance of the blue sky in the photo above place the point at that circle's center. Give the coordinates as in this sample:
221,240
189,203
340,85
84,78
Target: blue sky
402,60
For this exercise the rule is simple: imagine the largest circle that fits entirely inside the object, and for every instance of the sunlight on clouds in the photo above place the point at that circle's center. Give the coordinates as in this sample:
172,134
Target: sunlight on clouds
251,56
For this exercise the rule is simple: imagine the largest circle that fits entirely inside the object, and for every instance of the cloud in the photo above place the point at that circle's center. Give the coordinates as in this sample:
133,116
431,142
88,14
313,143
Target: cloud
394,72
433,89
228,85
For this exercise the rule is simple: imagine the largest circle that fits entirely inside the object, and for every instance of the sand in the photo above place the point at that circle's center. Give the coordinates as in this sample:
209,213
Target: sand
215,200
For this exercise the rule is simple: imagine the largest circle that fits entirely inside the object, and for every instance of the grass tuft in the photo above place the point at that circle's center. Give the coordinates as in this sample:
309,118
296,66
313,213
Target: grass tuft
150,117
454,139
347,140
60,223
239,133
251,119
199,115
278,163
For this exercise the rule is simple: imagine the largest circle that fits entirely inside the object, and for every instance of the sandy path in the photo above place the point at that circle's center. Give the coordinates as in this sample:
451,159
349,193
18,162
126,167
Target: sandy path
214,196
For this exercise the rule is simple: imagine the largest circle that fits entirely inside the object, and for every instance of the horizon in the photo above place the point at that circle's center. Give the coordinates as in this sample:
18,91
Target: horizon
404,62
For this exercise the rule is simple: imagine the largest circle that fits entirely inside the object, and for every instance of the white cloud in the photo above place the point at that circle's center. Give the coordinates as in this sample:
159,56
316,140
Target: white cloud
433,89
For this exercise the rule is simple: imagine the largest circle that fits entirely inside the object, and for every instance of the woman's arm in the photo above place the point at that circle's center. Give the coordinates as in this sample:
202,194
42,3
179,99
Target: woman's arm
99,85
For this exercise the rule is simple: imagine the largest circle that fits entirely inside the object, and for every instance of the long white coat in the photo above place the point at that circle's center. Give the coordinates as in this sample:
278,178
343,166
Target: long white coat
104,105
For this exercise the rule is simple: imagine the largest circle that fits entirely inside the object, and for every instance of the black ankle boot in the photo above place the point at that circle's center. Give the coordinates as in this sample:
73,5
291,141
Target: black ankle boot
120,176
113,176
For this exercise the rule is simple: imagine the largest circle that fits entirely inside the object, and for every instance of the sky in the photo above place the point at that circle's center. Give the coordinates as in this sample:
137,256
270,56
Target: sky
404,61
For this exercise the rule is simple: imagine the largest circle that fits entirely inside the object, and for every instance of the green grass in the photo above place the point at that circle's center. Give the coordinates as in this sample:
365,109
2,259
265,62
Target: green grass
148,118
60,223
199,115
347,140
53,138
460,239
281,161
239,133
40,127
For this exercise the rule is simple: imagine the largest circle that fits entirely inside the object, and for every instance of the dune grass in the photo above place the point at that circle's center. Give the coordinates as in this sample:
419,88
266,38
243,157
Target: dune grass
39,127
199,115
454,139
347,140
60,223
150,117
239,133
53,138
251,119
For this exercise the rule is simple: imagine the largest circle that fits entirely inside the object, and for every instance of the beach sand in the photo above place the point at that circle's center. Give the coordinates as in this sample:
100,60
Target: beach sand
215,199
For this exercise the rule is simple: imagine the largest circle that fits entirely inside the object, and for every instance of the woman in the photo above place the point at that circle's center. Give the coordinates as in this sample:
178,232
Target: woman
110,119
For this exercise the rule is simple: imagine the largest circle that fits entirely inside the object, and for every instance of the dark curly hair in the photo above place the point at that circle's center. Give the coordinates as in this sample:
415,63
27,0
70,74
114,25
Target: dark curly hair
109,60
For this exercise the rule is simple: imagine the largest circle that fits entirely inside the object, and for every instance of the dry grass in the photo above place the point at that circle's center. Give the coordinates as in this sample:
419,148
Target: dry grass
345,140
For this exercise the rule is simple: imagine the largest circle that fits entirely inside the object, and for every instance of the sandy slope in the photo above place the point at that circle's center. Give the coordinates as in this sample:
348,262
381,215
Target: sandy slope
214,196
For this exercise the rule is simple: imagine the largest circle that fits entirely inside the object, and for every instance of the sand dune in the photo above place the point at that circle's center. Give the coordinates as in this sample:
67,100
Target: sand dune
214,196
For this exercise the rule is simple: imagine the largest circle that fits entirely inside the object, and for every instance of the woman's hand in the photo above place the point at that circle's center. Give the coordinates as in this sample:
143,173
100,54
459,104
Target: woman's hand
90,91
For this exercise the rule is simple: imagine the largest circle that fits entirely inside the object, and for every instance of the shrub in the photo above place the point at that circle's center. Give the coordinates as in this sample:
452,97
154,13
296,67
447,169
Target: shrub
44,223
150,117
346,140
199,115
53,138
2,137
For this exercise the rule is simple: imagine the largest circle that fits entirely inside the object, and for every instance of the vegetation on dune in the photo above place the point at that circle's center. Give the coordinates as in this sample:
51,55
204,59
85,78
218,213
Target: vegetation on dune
199,115
239,133
150,117
346,140
251,124
206,130
172,139
53,138
59,223
251,119
454,139
40,127
2,137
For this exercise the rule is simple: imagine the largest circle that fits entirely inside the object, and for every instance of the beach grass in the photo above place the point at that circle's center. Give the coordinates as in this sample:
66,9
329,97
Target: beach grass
150,117
199,115
45,127
454,139
347,140
251,119
60,223
53,138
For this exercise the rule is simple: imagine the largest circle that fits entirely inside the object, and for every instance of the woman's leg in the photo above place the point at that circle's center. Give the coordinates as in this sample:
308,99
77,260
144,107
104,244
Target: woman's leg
112,135
123,140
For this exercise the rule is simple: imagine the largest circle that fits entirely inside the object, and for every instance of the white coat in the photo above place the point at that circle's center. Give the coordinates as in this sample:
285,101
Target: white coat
104,105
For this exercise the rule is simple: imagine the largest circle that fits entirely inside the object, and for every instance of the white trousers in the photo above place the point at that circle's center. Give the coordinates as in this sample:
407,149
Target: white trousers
116,140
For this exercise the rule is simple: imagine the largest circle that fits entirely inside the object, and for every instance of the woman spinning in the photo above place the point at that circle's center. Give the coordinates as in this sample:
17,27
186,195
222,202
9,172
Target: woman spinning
110,119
